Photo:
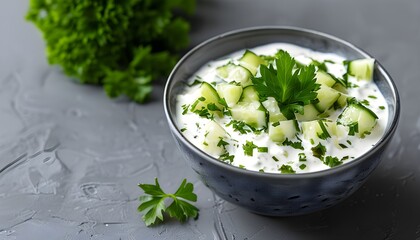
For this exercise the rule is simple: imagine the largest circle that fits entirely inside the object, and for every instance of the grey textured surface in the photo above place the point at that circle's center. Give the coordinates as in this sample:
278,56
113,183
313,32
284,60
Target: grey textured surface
70,158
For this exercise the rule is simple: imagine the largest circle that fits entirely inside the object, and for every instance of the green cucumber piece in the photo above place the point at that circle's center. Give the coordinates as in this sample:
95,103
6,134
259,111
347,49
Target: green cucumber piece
342,100
251,61
324,78
362,69
309,113
274,114
250,113
230,92
249,94
327,97
317,130
282,130
207,95
213,134
360,119
234,73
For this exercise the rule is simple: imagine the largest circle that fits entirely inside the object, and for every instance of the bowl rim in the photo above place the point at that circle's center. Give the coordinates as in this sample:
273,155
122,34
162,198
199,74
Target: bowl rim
343,167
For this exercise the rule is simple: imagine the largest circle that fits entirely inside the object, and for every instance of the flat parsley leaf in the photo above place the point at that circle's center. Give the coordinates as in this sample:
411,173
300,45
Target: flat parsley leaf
153,204
292,85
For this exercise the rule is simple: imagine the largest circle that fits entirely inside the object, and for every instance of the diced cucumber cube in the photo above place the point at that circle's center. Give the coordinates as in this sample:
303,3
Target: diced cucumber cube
250,113
317,130
230,92
213,134
309,113
362,69
280,131
340,87
236,73
358,118
251,61
324,78
207,95
274,114
249,94
327,97
342,100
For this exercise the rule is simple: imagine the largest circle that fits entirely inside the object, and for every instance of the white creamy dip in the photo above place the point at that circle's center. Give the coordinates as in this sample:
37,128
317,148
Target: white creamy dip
193,126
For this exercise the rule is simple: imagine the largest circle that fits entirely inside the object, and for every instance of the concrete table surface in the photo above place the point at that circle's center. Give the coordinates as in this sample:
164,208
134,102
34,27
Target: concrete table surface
70,158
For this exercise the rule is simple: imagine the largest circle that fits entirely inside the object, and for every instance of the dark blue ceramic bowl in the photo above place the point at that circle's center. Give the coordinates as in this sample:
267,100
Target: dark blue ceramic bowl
270,193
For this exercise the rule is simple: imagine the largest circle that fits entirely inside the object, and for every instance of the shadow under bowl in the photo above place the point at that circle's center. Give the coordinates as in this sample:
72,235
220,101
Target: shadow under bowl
270,193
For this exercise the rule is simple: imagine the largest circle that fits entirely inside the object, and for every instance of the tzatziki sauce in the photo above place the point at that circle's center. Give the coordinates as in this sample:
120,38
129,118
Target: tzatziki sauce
277,157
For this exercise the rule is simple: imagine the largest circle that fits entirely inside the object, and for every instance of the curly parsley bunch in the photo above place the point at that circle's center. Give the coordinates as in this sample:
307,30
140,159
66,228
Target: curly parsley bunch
121,44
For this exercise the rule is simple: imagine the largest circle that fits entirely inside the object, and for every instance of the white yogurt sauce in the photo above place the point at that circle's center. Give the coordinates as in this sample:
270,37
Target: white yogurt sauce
192,125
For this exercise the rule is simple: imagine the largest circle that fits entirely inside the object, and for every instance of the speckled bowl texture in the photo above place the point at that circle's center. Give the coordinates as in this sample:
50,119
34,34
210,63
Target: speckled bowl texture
269,193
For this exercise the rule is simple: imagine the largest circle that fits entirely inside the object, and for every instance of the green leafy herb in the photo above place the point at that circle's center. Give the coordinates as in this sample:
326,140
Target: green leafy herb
365,102
382,107
240,126
325,134
204,113
263,149
302,166
372,96
291,85
222,143
353,128
122,45
241,166
275,158
342,145
154,206
295,145
332,161
183,129
248,148
227,157
185,109
286,169
319,151
302,157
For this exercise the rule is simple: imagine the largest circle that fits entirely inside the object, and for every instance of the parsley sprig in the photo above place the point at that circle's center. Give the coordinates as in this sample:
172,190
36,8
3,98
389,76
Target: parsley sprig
292,85
153,204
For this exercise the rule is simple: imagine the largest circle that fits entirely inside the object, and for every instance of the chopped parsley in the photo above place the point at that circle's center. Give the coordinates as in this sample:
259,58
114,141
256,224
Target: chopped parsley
240,126
248,148
275,159
302,166
286,169
241,166
302,157
183,129
353,128
382,107
263,149
295,145
227,157
332,161
372,96
319,151
185,109
342,145
365,102
222,143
